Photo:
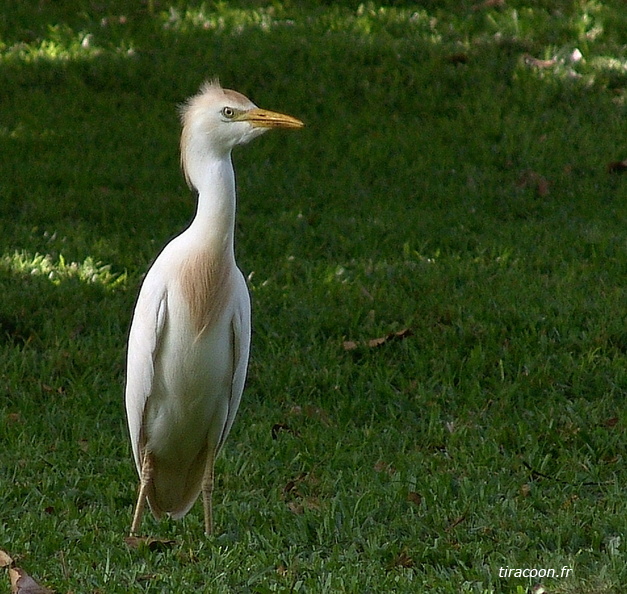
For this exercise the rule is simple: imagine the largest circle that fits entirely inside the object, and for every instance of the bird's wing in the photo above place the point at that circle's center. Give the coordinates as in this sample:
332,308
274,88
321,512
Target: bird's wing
240,331
144,338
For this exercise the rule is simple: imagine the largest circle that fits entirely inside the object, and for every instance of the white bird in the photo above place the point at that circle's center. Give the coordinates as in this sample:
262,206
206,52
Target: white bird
190,336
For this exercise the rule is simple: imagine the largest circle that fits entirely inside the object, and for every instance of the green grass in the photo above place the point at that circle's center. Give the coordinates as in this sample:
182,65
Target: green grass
441,184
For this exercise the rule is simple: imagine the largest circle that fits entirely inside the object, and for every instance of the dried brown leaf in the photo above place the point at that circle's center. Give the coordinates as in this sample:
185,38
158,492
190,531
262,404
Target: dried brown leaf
295,507
282,570
312,503
22,583
456,522
536,63
350,345
458,58
5,559
617,167
414,497
382,466
152,544
375,342
291,487
279,427
542,187
570,501
402,560
532,179
400,335
48,388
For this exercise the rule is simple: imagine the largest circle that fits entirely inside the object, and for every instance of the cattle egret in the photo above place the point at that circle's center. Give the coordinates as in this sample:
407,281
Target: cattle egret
190,336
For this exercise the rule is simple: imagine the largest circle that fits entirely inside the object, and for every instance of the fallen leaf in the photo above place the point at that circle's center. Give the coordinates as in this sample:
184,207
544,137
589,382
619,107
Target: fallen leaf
297,501
22,583
531,179
295,507
152,544
278,427
291,487
382,466
282,570
536,63
48,388
569,502
350,345
617,167
312,503
456,522
415,498
400,335
458,58
401,560
542,187
610,423
5,559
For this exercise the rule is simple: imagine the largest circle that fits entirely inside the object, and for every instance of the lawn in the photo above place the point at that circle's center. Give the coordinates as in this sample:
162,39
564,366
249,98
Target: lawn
437,264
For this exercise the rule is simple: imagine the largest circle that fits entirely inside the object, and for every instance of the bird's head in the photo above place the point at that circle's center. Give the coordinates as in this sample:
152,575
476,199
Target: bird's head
216,119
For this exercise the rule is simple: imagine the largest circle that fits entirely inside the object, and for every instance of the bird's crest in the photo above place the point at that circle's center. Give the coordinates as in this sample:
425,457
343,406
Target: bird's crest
211,92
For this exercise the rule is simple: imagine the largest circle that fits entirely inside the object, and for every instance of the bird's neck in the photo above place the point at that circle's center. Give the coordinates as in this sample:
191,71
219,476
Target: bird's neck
214,223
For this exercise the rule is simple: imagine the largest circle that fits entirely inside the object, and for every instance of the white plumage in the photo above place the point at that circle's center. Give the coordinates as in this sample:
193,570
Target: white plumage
190,335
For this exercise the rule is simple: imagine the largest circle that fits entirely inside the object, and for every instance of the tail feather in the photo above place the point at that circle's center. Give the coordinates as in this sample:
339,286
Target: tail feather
175,487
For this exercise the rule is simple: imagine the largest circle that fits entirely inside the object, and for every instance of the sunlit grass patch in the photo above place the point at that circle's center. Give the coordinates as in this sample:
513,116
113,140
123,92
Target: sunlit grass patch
61,44
56,270
222,17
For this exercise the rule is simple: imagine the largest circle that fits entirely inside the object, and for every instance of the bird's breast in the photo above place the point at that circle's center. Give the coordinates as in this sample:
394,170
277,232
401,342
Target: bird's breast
206,282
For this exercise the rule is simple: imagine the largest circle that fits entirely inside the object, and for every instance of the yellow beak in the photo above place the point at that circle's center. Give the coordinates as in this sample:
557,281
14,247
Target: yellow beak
262,118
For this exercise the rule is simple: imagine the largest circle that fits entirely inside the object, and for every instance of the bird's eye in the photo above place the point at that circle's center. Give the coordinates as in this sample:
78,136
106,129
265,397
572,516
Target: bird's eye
228,112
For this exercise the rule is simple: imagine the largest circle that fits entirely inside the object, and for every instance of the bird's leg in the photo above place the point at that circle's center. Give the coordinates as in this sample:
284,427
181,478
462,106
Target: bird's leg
207,492
145,478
